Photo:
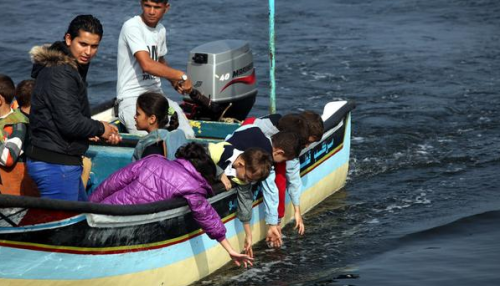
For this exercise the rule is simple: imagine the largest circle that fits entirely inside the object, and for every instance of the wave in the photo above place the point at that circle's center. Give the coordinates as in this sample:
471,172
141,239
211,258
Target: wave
474,224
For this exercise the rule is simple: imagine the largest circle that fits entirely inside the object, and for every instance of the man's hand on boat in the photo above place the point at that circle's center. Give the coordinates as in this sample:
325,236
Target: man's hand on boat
273,237
110,134
238,258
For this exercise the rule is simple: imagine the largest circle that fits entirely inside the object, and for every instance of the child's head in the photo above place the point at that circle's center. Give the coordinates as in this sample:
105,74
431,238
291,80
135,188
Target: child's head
316,127
7,90
198,157
253,165
295,123
152,112
286,146
24,89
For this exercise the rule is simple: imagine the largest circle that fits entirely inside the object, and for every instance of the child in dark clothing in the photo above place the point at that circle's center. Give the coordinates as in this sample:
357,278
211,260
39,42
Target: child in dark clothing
309,127
242,169
24,90
283,146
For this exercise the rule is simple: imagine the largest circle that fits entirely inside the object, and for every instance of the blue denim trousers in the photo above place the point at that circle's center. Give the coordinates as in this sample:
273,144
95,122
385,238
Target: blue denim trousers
56,181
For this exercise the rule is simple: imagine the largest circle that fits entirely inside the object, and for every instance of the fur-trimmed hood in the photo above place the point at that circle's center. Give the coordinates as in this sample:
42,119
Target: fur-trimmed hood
54,55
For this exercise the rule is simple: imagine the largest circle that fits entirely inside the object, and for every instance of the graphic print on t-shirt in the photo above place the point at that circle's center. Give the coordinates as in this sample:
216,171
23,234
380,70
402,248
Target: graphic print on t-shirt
153,54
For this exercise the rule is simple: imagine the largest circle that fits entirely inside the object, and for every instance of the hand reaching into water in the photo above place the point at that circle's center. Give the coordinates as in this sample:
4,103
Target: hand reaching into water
238,258
273,238
299,223
248,246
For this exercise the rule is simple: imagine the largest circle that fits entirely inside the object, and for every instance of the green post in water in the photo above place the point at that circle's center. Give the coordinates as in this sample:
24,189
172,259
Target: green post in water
272,82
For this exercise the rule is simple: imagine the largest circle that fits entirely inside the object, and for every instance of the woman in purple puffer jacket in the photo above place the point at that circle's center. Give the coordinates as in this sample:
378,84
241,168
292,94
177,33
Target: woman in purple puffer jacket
155,178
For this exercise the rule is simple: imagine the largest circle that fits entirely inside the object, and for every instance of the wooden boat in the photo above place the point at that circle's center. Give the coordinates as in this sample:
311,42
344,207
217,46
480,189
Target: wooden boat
53,242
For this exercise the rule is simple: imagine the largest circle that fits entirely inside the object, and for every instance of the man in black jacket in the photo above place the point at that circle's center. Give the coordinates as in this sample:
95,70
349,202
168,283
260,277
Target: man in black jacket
60,113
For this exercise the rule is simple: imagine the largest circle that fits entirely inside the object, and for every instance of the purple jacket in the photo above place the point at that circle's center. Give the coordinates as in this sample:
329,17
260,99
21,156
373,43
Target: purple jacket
155,178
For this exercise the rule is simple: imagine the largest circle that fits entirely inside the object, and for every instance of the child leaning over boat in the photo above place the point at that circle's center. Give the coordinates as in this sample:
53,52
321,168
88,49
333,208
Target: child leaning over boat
155,178
152,112
242,169
309,127
282,146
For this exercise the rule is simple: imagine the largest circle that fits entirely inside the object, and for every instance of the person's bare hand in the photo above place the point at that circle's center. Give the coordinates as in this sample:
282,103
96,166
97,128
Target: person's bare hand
247,247
299,223
111,134
183,87
273,237
94,139
239,258
226,182
114,139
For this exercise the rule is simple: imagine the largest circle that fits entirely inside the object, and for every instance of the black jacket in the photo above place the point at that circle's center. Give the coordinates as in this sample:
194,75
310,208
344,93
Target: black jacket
60,113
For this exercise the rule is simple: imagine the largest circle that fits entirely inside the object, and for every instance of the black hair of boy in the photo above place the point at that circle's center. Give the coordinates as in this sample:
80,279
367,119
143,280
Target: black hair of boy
316,126
201,161
287,141
295,123
24,89
7,88
156,1
258,162
86,23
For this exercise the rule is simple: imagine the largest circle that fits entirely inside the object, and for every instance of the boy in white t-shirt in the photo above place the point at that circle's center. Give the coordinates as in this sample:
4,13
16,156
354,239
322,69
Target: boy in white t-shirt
142,46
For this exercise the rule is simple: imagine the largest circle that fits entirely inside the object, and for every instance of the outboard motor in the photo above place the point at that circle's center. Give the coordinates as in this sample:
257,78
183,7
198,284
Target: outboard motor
223,72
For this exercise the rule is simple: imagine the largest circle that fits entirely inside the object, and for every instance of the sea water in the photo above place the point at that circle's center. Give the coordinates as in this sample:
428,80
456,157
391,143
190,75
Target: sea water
422,202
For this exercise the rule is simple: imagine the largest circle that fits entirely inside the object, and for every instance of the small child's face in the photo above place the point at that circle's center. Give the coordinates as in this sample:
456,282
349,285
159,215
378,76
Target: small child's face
141,119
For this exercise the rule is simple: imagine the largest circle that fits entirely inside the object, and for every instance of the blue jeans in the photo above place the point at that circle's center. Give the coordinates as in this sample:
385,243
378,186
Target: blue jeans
63,182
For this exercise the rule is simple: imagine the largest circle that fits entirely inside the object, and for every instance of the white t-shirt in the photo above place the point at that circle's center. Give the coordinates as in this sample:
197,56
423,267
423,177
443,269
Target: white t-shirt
137,36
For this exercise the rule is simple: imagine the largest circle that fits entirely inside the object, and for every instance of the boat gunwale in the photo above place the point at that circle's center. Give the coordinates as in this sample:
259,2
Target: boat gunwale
10,201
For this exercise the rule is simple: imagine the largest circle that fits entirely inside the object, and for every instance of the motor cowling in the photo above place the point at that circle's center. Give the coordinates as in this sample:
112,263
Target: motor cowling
223,71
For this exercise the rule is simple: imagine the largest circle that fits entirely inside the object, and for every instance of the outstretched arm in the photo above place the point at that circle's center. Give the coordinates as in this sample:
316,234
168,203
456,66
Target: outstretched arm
271,201
209,220
237,258
294,188
248,239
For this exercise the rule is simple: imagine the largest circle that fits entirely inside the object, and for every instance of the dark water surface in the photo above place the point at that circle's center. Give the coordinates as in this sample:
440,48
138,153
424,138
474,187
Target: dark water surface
422,202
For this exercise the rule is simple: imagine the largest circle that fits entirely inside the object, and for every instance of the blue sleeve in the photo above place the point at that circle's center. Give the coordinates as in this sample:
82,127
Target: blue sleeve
271,198
294,182
176,139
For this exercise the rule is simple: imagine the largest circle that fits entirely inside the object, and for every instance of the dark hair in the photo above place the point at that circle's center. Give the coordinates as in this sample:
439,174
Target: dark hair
24,89
87,23
316,127
287,141
156,1
258,162
7,88
295,123
198,157
153,103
